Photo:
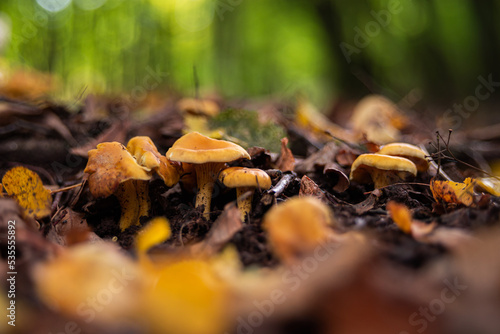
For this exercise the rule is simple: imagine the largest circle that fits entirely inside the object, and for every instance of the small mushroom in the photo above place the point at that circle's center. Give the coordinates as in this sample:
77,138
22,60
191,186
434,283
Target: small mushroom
297,227
378,118
208,157
145,152
198,107
382,170
113,170
245,180
407,151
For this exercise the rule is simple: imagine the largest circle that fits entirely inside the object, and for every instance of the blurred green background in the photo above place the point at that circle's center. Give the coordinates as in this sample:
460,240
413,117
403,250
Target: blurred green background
324,48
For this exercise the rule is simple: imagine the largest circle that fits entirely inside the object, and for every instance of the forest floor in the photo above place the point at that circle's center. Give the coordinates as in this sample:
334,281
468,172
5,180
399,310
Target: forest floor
414,255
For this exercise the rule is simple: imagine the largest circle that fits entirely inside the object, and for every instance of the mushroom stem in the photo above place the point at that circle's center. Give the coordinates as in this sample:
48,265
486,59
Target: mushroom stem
244,202
206,174
382,178
134,202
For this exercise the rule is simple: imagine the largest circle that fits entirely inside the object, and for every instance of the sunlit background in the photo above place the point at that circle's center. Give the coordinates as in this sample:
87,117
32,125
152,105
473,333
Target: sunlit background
239,48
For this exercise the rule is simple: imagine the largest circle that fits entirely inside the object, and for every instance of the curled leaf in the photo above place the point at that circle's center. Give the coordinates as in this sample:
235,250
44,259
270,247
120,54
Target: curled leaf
26,187
454,192
401,216
157,231
286,161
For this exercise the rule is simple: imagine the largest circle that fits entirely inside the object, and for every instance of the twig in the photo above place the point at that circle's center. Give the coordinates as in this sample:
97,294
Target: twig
66,188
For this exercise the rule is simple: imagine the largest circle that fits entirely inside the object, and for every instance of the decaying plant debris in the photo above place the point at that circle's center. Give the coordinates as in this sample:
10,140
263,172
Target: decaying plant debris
329,230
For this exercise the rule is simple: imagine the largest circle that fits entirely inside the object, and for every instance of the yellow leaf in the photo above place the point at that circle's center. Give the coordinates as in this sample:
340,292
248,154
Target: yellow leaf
400,215
26,187
454,192
91,271
188,298
157,231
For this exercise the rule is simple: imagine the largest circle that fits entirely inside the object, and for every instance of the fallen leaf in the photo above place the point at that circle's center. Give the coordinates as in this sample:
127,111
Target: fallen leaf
69,227
334,172
309,188
453,192
286,161
400,215
318,160
186,296
155,232
26,187
223,229
88,270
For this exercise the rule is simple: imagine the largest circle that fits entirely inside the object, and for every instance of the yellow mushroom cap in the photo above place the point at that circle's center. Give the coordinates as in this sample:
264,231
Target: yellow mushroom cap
196,148
378,118
365,164
297,226
234,177
144,151
109,165
411,152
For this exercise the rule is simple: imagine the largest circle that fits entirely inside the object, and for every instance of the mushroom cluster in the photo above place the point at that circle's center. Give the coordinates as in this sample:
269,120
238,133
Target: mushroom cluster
194,158
207,157
392,163
125,171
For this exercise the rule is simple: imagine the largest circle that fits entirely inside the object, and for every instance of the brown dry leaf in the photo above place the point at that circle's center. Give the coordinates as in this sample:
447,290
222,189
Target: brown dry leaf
223,229
345,157
309,188
70,227
318,160
26,187
453,192
400,215
286,161
332,170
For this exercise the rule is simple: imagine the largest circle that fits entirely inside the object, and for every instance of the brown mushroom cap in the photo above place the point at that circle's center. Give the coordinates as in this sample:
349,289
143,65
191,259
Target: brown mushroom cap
109,165
366,166
234,177
196,148
407,151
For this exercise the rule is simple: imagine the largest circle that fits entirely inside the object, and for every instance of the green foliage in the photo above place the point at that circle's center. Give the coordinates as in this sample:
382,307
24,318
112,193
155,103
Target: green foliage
245,126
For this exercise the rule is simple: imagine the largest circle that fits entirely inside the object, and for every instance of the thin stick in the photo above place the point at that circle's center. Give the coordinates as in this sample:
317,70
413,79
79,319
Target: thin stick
66,188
